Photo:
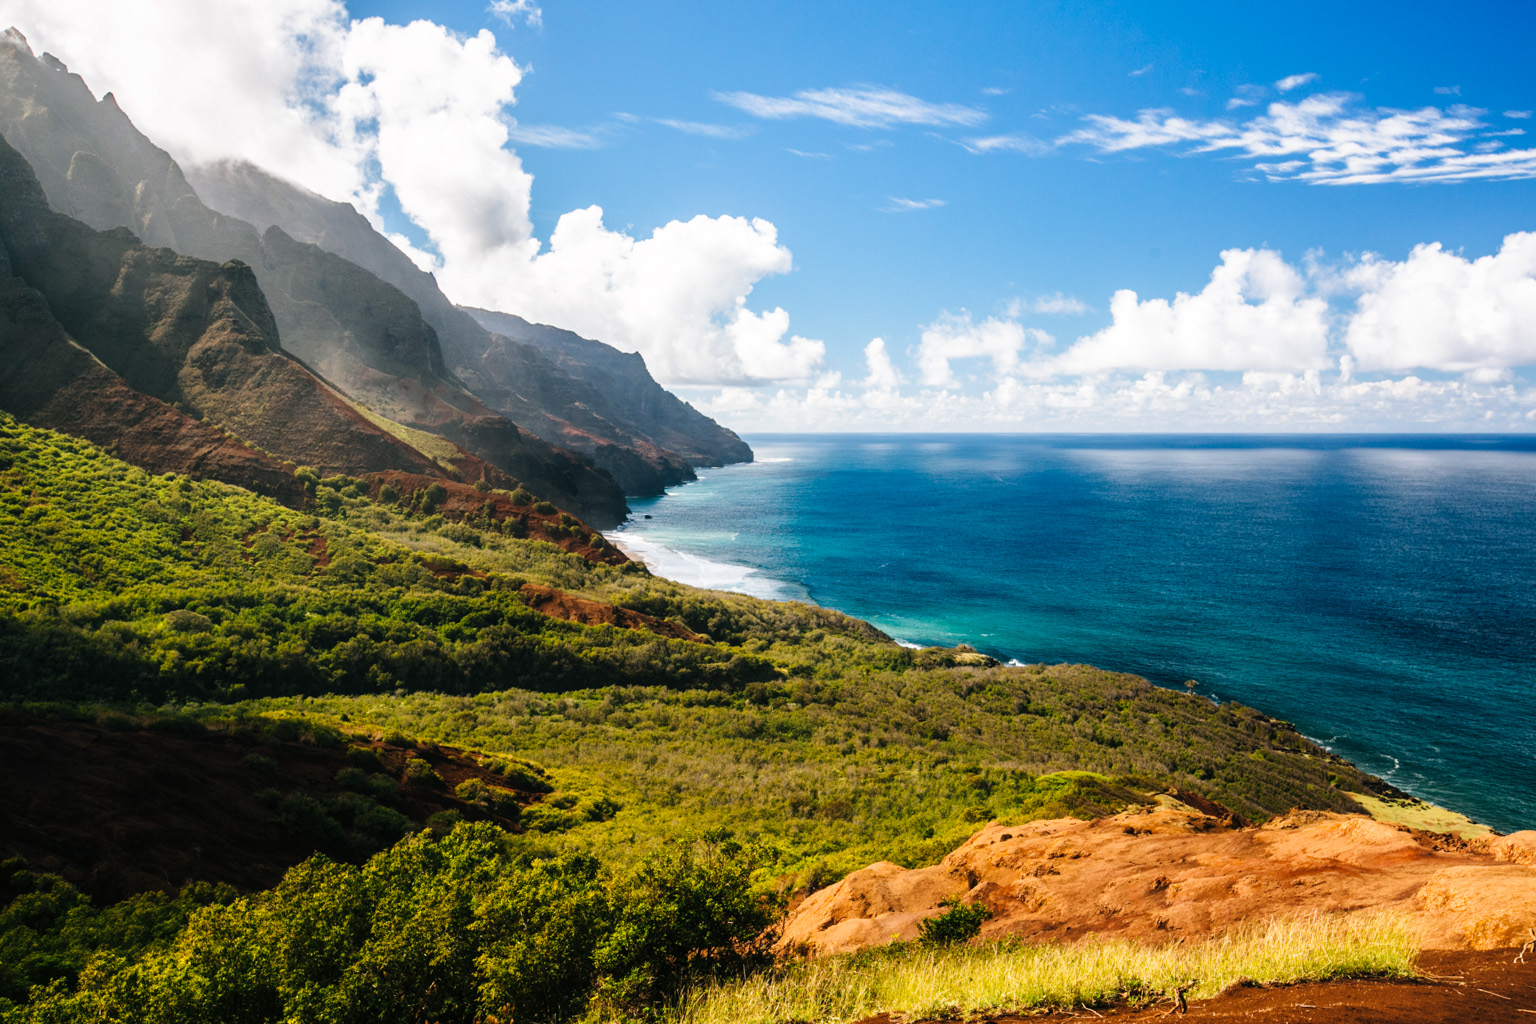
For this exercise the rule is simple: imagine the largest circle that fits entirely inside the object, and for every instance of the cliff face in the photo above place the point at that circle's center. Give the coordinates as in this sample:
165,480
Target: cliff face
568,390
360,332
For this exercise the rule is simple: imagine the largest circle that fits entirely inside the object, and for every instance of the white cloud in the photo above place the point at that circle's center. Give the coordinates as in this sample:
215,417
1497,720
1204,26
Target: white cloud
355,109
896,204
809,156
513,11
1326,139
957,336
1437,310
1519,115
1257,349
1247,96
264,71
550,136
678,297
1139,71
883,375
1059,305
1447,90
864,106
1253,315
1290,82
995,90
1015,142
713,131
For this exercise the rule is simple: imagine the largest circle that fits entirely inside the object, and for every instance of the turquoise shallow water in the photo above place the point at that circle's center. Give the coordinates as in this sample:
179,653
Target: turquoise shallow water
1380,592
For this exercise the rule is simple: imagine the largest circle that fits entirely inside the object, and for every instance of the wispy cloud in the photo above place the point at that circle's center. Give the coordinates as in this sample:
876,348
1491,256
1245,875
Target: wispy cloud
513,11
1290,82
713,131
863,106
810,156
1247,96
1447,90
1012,143
1328,139
551,136
897,204
995,90
1519,115
1139,71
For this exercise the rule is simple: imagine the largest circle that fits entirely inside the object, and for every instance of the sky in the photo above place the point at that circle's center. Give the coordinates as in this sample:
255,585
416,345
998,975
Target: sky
915,216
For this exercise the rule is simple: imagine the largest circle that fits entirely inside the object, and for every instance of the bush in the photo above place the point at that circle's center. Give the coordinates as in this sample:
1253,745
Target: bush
522,497
389,494
544,508
421,773
689,912
961,922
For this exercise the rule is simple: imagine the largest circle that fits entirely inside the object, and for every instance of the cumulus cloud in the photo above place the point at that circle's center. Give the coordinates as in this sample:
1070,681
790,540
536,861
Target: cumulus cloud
883,375
863,106
678,297
1328,139
1252,315
957,336
358,109
1437,310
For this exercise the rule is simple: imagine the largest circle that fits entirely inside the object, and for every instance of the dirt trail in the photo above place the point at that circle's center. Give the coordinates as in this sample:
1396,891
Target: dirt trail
1460,988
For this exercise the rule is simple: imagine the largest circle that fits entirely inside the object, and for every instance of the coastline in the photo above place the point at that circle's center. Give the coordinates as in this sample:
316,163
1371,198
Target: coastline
670,559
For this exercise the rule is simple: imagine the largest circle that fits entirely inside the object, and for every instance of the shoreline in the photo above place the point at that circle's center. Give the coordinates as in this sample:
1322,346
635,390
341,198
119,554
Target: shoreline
1417,812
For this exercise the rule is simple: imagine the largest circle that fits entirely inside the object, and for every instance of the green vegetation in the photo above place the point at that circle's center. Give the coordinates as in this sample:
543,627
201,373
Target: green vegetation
477,926
801,742
918,982
796,726
960,922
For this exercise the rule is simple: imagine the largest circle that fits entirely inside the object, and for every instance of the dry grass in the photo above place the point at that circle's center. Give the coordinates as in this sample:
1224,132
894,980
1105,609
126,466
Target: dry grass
1418,814
913,982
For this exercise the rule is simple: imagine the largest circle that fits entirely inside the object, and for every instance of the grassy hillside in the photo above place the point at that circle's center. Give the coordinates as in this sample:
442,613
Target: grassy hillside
794,725
686,784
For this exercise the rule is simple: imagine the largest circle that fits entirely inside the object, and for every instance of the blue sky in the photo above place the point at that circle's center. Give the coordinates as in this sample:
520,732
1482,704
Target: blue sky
969,183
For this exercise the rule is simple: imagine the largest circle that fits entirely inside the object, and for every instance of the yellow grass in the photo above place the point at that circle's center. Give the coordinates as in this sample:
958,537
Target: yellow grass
438,449
1418,814
913,982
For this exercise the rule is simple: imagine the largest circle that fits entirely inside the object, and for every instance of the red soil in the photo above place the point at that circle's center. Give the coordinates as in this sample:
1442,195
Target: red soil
465,503
560,605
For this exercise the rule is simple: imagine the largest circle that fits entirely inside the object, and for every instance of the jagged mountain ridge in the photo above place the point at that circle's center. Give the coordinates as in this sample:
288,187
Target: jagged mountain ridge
90,317
573,392
358,331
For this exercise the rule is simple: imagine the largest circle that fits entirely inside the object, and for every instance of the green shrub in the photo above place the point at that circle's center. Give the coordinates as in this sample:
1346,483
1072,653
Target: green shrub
389,494
419,772
522,497
960,922
544,508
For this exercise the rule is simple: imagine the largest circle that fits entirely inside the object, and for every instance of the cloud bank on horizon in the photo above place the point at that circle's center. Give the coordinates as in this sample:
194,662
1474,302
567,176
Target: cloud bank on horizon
419,117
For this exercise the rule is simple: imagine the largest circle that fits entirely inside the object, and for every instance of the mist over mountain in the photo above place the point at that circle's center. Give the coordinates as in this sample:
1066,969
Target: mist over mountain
576,393
395,349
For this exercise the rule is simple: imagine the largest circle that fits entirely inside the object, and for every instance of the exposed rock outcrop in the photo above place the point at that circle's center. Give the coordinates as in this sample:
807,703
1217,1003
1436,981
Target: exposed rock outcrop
1172,873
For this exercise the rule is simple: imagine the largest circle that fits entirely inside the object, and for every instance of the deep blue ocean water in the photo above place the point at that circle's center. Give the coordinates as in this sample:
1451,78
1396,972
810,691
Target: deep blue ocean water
1379,592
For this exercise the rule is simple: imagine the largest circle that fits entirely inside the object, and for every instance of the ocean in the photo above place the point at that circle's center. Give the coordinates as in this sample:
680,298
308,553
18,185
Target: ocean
1377,591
